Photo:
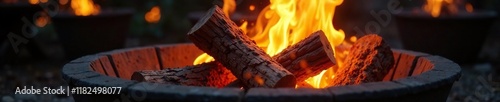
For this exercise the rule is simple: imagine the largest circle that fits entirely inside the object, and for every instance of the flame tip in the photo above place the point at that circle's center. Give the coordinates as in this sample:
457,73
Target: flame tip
437,7
286,22
85,7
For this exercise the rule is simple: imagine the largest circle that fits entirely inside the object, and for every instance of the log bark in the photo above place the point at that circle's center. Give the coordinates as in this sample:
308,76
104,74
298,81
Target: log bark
369,60
221,38
308,57
205,74
304,59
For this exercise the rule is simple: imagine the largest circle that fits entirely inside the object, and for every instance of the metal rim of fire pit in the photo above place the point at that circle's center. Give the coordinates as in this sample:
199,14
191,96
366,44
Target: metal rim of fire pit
446,33
427,78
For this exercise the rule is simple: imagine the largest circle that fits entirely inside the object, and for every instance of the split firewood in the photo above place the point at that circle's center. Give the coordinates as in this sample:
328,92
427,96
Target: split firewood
369,60
205,74
304,59
308,57
221,38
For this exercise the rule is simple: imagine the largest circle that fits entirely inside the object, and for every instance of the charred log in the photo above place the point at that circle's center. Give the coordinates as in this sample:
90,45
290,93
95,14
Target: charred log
369,60
221,38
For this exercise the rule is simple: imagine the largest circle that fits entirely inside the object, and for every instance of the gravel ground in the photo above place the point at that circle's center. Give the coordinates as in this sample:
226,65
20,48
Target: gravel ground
475,85
38,76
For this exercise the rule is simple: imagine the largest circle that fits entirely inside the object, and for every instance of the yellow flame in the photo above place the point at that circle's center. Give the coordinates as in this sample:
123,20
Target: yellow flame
286,22
203,58
84,7
437,7
229,7
316,81
153,15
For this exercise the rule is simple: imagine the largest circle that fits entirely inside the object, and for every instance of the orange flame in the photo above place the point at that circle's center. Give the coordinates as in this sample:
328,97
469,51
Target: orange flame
85,7
436,7
229,7
153,15
286,22
33,1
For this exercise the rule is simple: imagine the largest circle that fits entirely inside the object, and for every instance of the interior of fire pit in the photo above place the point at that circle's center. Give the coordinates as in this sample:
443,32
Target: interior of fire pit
414,77
157,58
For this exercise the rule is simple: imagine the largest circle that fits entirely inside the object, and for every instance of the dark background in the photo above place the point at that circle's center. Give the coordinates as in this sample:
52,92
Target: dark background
41,65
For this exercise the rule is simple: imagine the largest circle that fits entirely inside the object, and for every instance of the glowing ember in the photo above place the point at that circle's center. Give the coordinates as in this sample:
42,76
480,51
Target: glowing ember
437,7
251,7
84,7
153,15
286,22
353,39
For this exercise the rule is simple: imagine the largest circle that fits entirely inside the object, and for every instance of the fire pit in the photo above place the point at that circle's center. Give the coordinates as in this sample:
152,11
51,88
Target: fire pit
454,34
458,38
415,77
85,31
82,35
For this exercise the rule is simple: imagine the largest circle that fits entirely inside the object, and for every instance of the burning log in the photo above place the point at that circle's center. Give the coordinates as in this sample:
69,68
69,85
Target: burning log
206,74
304,59
221,38
369,60
308,57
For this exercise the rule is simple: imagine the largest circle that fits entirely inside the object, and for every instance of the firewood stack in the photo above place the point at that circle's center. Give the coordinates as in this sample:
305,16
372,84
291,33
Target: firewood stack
238,60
